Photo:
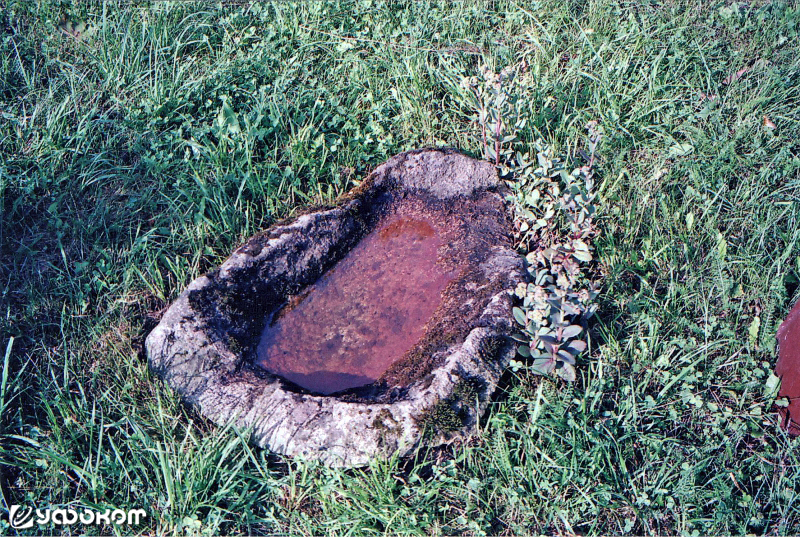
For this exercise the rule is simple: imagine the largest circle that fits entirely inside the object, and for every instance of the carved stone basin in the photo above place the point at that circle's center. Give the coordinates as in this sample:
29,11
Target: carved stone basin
361,330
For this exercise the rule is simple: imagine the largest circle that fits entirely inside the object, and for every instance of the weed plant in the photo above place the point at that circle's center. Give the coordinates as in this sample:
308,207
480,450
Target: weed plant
140,142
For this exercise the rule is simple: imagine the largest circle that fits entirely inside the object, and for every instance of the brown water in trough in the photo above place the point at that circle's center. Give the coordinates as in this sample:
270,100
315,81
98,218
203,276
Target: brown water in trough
364,314
788,369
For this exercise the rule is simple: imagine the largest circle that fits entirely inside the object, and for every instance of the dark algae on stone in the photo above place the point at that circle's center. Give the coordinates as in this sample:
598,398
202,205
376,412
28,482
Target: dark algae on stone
348,332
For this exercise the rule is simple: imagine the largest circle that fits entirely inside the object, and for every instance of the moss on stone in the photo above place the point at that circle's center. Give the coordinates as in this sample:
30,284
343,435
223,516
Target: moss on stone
492,348
468,389
384,420
441,418
386,426
456,411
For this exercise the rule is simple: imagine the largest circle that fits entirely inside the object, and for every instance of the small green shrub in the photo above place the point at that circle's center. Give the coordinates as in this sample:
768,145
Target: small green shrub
554,222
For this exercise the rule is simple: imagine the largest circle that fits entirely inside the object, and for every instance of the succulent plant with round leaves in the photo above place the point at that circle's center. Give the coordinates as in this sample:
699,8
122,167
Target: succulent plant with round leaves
554,222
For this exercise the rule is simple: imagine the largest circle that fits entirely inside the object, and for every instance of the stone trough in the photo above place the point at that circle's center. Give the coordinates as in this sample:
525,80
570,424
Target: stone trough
358,331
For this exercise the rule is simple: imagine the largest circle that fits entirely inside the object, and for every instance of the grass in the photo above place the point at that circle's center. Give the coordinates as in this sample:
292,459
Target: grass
138,154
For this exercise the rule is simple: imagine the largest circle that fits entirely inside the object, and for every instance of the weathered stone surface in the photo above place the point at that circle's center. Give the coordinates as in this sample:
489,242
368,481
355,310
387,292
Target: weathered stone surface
204,346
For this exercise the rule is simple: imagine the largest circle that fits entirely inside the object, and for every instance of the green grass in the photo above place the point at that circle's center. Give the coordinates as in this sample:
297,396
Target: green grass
138,156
